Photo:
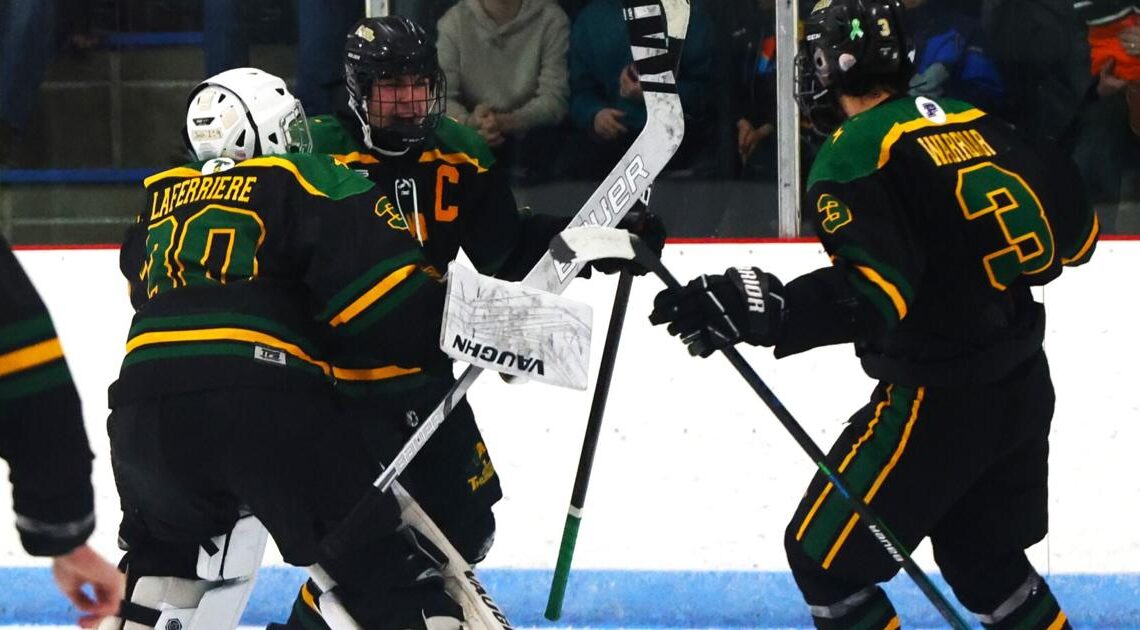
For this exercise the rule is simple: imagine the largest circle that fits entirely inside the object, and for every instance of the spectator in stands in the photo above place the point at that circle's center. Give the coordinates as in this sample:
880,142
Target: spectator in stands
745,65
950,58
321,28
505,63
606,104
426,13
1041,48
1105,148
28,31
1114,42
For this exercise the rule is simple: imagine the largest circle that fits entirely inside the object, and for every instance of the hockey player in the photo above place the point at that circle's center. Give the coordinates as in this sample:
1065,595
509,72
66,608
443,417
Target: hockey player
447,192
43,440
939,219
249,271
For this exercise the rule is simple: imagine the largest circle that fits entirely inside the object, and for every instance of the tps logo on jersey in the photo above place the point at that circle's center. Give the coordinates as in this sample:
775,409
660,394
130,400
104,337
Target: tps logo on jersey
930,110
217,165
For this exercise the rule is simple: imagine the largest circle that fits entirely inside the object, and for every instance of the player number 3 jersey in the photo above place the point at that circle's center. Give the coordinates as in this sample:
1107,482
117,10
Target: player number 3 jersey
943,217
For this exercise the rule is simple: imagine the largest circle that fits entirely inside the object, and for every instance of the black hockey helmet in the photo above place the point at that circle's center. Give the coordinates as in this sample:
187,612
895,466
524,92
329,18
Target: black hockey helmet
388,48
851,47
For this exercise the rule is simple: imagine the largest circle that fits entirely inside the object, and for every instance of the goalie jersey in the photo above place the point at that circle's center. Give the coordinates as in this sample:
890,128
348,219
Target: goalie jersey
939,218
448,195
279,271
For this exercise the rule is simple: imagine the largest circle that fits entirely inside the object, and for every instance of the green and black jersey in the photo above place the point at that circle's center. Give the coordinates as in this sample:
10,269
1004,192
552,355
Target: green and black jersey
278,271
939,218
41,424
448,195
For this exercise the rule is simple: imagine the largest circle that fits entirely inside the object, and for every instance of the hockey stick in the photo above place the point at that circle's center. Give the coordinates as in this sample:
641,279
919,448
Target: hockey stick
635,172
651,24
586,244
589,445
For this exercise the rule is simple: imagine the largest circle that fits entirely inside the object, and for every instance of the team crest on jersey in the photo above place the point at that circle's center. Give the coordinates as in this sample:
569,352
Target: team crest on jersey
217,165
821,5
930,110
386,211
835,213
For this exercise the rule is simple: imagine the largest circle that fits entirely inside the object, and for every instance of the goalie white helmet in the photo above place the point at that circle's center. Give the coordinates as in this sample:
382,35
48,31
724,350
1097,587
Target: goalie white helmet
244,113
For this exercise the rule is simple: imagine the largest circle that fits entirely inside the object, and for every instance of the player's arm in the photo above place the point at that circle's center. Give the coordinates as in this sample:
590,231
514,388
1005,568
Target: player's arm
500,239
875,266
865,292
369,289
41,425
1073,218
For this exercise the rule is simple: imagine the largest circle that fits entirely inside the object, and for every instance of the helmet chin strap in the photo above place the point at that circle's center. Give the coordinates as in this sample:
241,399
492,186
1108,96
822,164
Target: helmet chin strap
370,139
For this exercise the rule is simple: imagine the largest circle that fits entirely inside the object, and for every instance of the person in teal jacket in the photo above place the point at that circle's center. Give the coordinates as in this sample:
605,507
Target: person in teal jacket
606,104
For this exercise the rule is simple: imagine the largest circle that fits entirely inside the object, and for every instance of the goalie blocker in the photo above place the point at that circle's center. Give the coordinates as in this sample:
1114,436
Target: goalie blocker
517,330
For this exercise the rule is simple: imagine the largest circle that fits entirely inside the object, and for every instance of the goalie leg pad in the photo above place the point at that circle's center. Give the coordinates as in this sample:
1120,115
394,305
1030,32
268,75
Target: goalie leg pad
171,602
226,568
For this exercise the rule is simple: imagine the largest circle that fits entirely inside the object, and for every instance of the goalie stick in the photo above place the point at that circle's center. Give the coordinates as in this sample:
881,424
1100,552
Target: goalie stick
585,244
645,158
651,24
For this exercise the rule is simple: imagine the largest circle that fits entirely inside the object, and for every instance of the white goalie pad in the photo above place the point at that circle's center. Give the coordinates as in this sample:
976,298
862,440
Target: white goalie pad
514,329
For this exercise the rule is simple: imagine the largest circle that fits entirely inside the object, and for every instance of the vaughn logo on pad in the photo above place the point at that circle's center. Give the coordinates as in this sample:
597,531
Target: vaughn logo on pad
514,329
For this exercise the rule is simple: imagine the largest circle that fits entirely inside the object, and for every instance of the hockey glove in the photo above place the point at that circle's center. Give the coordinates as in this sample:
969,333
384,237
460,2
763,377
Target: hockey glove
648,227
715,312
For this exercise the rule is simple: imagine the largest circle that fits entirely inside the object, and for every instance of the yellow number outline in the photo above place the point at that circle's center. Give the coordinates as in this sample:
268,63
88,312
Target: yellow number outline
999,208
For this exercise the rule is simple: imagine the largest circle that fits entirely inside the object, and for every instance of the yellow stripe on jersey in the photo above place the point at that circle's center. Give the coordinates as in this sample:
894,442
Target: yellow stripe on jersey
31,356
452,158
373,374
919,395
179,171
356,157
1059,622
890,289
268,161
307,597
899,129
1089,242
289,166
893,624
375,293
224,334
847,460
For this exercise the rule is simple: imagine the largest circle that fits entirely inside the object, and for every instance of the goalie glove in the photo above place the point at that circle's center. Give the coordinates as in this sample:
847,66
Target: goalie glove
715,312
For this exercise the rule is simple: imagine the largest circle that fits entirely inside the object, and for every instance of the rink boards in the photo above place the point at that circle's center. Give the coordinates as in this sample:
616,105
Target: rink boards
693,479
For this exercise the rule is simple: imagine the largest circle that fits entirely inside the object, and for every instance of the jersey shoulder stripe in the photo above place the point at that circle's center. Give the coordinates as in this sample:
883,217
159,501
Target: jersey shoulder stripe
317,174
863,143
451,137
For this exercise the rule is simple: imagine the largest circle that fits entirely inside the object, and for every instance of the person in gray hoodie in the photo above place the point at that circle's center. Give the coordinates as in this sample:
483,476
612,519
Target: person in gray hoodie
505,62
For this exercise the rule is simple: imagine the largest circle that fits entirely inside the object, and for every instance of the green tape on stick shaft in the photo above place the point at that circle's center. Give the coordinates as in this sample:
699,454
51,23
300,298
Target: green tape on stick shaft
562,567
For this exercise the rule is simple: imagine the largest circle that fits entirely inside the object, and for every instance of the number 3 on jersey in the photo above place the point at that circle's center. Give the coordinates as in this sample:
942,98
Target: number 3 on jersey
987,190
216,244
